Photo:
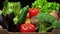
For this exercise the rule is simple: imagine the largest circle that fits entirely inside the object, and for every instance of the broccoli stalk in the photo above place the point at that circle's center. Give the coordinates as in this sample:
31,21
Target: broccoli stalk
45,30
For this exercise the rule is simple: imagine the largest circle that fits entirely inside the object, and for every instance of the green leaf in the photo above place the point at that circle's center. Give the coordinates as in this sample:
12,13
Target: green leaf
38,3
15,20
5,3
17,8
5,7
1,12
10,7
49,7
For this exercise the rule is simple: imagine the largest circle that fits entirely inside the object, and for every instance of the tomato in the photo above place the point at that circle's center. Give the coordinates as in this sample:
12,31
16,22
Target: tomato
27,28
33,12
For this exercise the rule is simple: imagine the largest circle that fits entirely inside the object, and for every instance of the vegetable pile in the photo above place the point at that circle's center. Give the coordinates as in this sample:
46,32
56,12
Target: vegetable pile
42,15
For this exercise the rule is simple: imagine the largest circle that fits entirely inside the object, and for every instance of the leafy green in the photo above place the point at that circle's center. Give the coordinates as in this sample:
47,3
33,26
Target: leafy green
5,3
1,12
10,7
46,22
17,8
38,3
45,7
5,10
49,7
15,20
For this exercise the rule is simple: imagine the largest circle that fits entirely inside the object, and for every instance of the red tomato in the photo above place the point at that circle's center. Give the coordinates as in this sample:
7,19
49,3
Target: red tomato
27,28
33,12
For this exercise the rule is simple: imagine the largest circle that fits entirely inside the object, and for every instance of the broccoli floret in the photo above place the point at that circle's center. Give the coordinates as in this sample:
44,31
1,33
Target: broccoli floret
56,24
46,22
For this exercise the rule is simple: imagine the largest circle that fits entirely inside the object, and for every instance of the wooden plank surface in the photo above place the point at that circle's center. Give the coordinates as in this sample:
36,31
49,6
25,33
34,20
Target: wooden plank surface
4,31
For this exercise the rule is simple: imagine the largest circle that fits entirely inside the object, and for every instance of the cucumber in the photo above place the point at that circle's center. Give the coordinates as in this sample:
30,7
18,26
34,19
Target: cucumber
22,16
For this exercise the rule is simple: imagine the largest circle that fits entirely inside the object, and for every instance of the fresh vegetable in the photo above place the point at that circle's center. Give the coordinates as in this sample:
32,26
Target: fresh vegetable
27,20
7,8
27,27
23,14
49,7
43,21
16,8
46,22
38,3
15,20
55,14
12,7
45,7
33,12
1,12
27,15
34,21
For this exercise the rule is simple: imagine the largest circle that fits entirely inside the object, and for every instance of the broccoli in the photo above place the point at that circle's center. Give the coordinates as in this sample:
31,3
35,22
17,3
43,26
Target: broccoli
47,22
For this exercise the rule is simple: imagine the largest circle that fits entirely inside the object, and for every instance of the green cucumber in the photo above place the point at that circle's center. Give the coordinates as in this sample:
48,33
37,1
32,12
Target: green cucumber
22,16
